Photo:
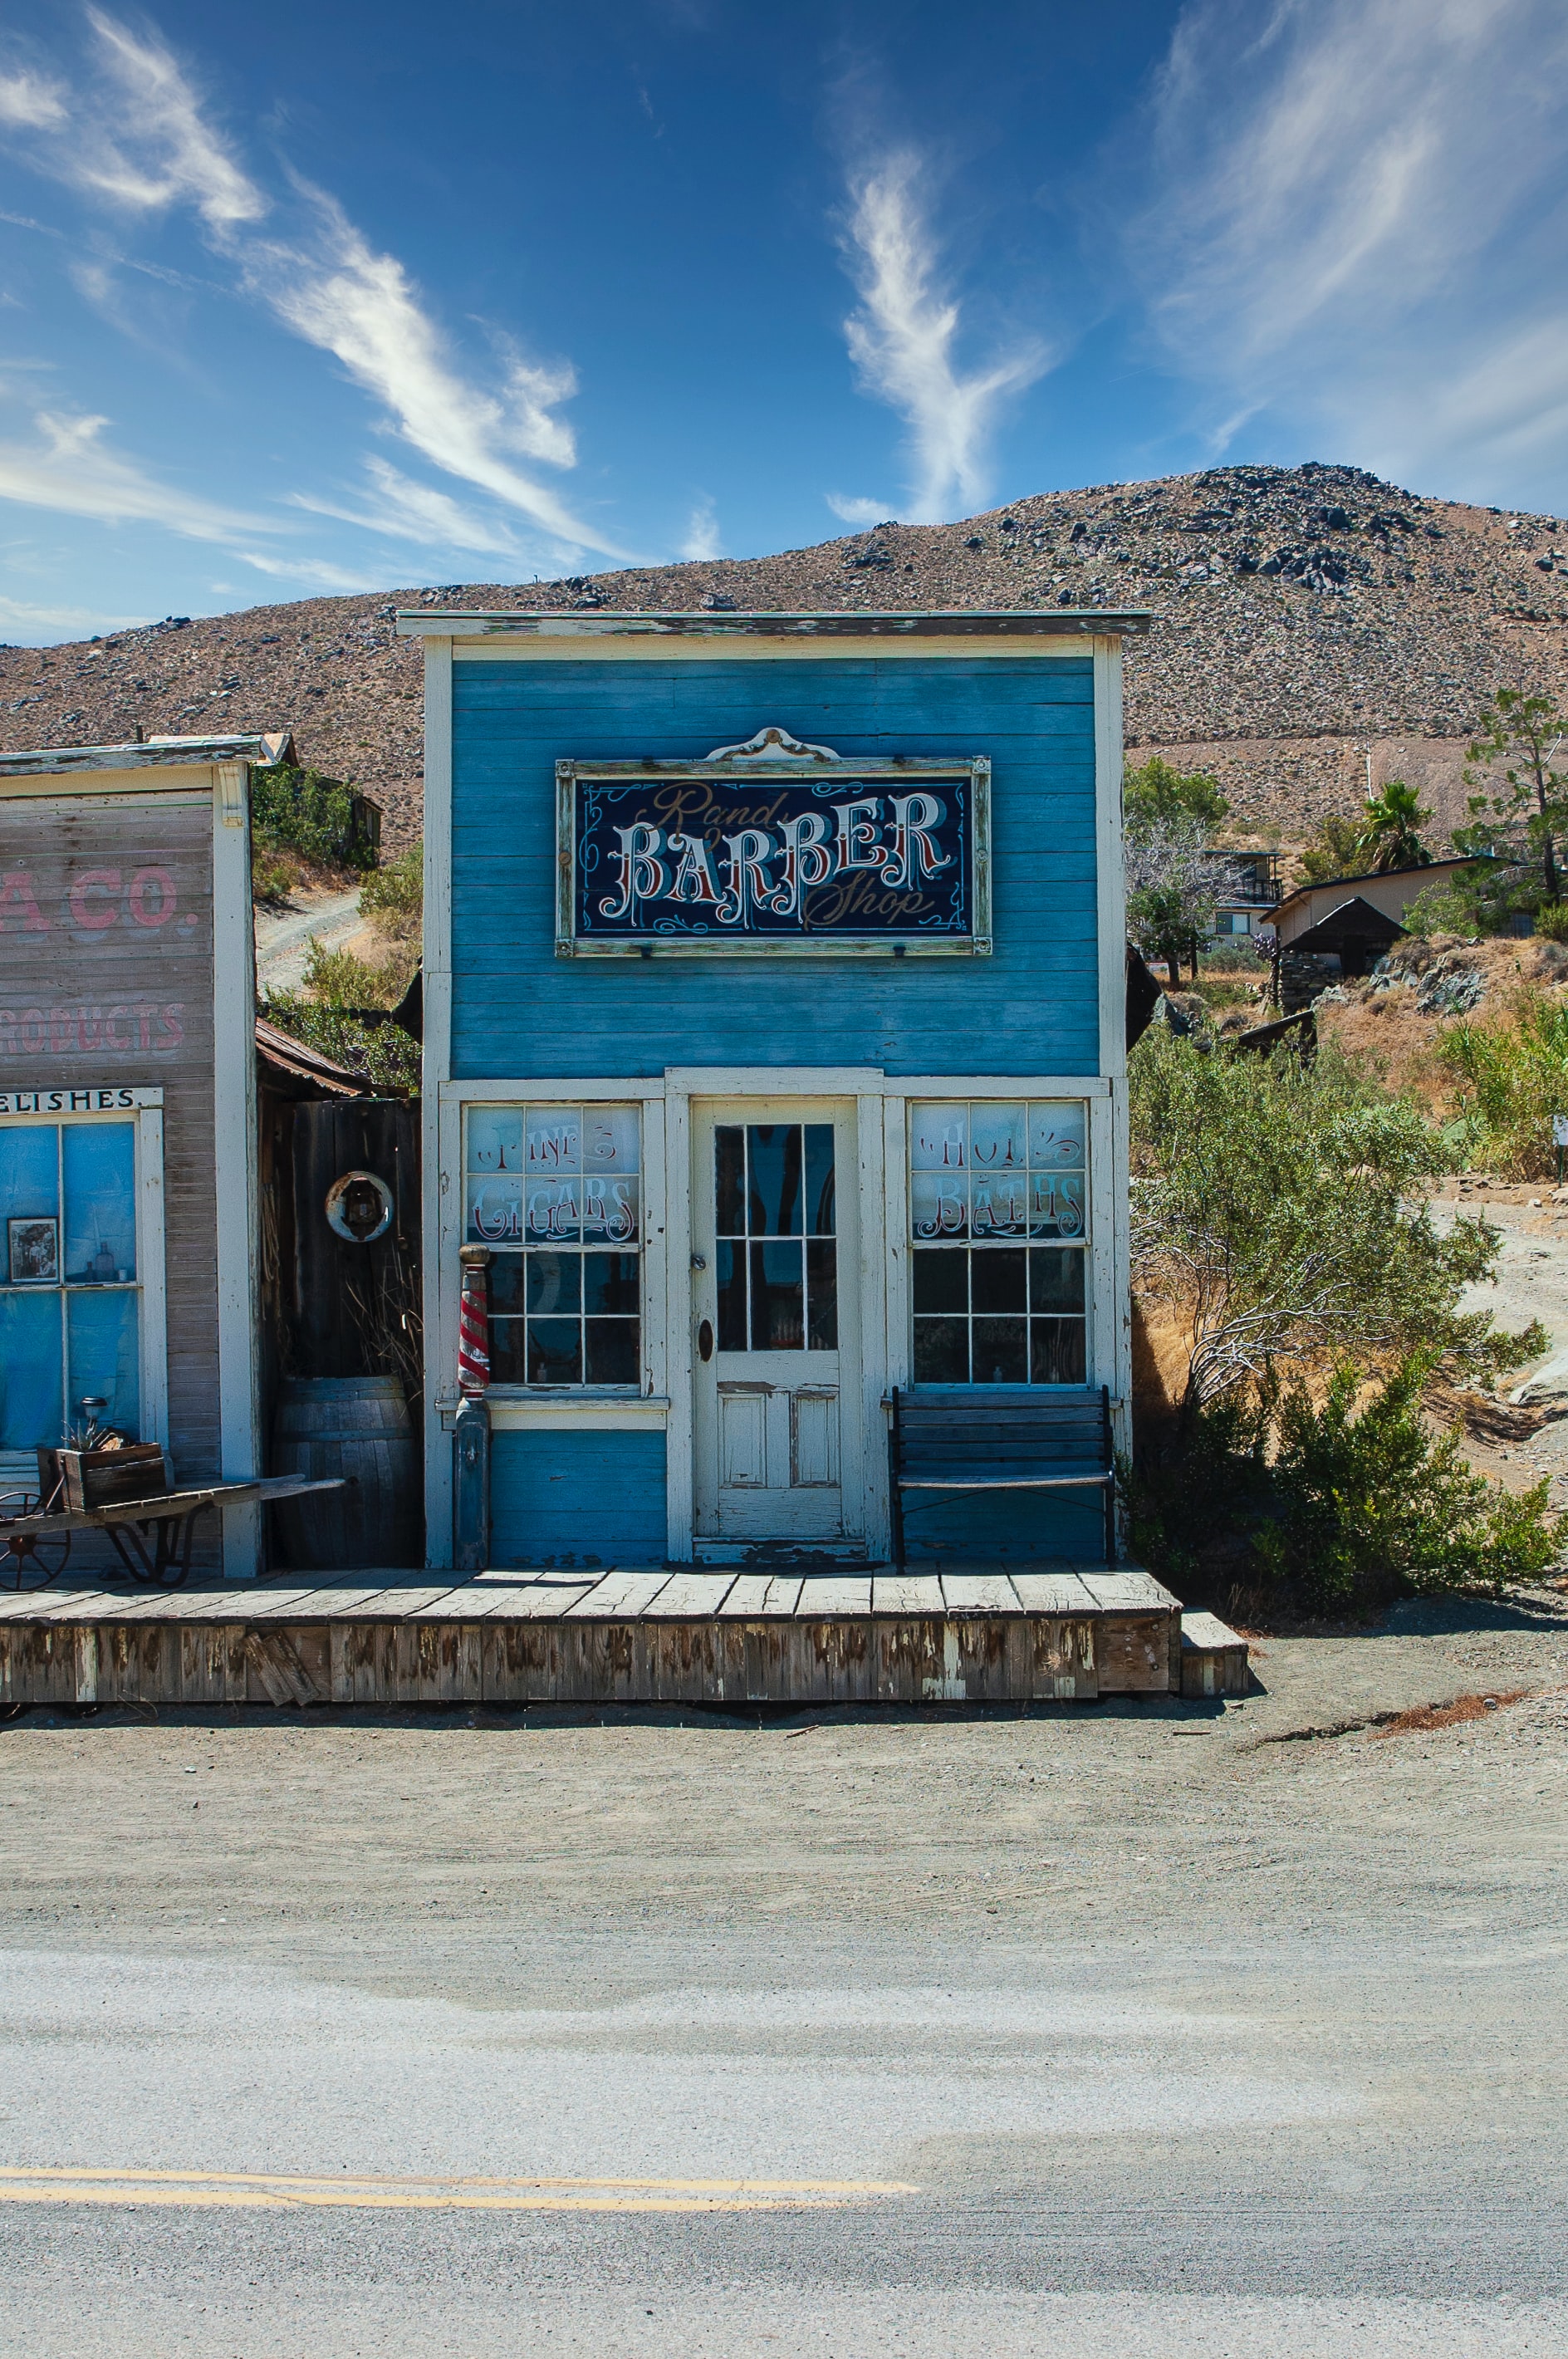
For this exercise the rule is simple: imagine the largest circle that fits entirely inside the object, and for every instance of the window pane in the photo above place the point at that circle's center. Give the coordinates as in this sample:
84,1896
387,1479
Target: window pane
31,1406
822,1294
610,1141
100,1200
555,1283
729,1181
941,1282
1056,1203
552,1142
1001,1351
996,1136
610,1208
1056,1352
610,1284
773,1157
495,1211
508,1364
938,1138
730,1274
939,1204
941,1351
496,1138
613,1350
999,1204
505,1275
1056,1135
29,1173
997,1279
1056,1279
555,1352
103,1357
820,1217
778,1304
554,1211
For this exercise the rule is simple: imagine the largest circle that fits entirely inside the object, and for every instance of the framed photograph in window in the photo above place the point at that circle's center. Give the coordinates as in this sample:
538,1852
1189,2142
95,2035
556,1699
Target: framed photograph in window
33,1250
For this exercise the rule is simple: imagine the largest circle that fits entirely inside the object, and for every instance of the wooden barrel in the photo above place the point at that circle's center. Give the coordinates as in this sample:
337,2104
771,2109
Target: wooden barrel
348,1425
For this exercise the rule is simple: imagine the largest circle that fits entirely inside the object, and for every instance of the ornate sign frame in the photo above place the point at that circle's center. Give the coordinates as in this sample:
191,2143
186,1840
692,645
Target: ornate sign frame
774,758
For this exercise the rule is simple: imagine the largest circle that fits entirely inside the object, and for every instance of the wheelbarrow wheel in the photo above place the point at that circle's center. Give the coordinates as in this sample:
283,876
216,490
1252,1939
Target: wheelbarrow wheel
30,1560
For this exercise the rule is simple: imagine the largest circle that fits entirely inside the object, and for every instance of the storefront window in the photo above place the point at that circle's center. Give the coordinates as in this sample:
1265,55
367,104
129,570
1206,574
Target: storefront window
70,1296
554,1191
997,1207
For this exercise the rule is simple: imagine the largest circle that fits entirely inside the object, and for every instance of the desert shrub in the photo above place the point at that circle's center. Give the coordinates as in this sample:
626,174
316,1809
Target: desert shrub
299,811
384,1054
1325,1507
1551,921
336,978
1276,1211
393,896
273,876
1510,1077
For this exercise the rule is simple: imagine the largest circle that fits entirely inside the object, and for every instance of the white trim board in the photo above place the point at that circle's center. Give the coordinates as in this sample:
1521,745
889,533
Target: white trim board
439,1315
874,646
235,1161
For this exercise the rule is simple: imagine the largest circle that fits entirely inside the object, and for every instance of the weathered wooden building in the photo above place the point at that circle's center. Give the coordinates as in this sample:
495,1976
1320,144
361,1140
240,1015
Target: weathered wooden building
774,1059
129,1108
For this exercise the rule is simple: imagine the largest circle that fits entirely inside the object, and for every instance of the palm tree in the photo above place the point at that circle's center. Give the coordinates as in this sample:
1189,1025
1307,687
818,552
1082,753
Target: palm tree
1389,839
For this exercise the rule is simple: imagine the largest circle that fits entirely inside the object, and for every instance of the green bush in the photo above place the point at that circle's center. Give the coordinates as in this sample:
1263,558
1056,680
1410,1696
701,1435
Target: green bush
393,897
384,1054
1551,921
299,811
338,979
1283,1504
1511,1079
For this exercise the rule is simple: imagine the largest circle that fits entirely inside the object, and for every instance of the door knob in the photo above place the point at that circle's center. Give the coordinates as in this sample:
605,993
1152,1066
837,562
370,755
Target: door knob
705,1340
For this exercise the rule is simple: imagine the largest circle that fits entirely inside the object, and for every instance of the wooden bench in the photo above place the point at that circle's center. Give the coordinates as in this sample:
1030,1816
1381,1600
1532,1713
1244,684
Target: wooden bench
958,1445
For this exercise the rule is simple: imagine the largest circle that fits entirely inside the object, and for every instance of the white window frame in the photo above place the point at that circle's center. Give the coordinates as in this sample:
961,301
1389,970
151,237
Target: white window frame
20,1467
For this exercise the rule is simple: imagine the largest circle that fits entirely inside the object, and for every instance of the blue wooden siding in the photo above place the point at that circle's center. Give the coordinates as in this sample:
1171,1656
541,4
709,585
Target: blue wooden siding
567,1498
1022,1528
1030,1007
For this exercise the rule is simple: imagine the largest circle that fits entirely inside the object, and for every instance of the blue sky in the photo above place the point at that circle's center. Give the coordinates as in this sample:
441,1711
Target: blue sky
340,296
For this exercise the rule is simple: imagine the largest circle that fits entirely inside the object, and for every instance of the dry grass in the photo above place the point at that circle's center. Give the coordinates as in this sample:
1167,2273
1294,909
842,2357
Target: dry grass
1449,1716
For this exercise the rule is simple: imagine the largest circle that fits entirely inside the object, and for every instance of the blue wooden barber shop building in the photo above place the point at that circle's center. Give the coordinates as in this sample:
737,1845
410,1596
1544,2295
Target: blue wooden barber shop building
775,1055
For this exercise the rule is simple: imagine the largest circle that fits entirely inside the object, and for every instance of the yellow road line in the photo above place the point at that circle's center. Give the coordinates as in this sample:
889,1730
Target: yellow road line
261,2191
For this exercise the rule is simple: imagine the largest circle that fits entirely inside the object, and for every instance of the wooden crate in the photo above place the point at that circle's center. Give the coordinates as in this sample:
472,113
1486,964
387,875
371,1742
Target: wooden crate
108,1478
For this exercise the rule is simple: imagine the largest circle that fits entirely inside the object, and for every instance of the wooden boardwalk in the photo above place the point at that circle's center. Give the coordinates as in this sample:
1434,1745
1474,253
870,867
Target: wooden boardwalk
958,1632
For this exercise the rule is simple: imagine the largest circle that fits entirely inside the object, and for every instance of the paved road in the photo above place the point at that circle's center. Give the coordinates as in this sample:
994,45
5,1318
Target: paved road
1114,2030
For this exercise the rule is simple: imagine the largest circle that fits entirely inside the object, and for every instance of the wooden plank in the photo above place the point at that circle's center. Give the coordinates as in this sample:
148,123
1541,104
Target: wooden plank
274,1658
1132,1654
907,1592
690,1597
544,1598
977,1592
622,1595
1053,1593
760,1596
62,1605
833,1593
393,1603
1128,1591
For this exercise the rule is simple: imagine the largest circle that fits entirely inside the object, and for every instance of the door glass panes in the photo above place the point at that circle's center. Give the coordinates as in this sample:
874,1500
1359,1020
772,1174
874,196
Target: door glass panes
775,1225
990,1183
69,1301
555,1191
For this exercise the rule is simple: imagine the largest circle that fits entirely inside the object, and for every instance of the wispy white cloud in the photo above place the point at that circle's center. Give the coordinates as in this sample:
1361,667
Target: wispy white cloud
406,510
29,102
316,571
855,511
1356,209
701,532
139,138
341,295
70,469
20,615
904,341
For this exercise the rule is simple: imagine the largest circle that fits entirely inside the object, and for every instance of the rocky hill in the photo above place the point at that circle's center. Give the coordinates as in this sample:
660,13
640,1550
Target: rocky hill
1312,626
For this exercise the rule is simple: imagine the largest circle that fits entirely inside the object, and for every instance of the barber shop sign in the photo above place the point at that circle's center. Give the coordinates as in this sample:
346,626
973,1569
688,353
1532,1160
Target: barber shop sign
773,846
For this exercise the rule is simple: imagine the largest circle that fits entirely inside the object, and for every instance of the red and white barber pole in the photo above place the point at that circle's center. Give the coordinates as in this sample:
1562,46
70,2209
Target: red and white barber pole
471,1429
473,1323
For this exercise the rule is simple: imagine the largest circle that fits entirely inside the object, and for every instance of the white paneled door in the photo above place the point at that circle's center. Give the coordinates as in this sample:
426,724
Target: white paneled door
775,1320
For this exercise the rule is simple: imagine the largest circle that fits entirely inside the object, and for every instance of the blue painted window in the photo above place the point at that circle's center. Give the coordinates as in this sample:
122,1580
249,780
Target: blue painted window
555,1192
997,1212
70,1296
